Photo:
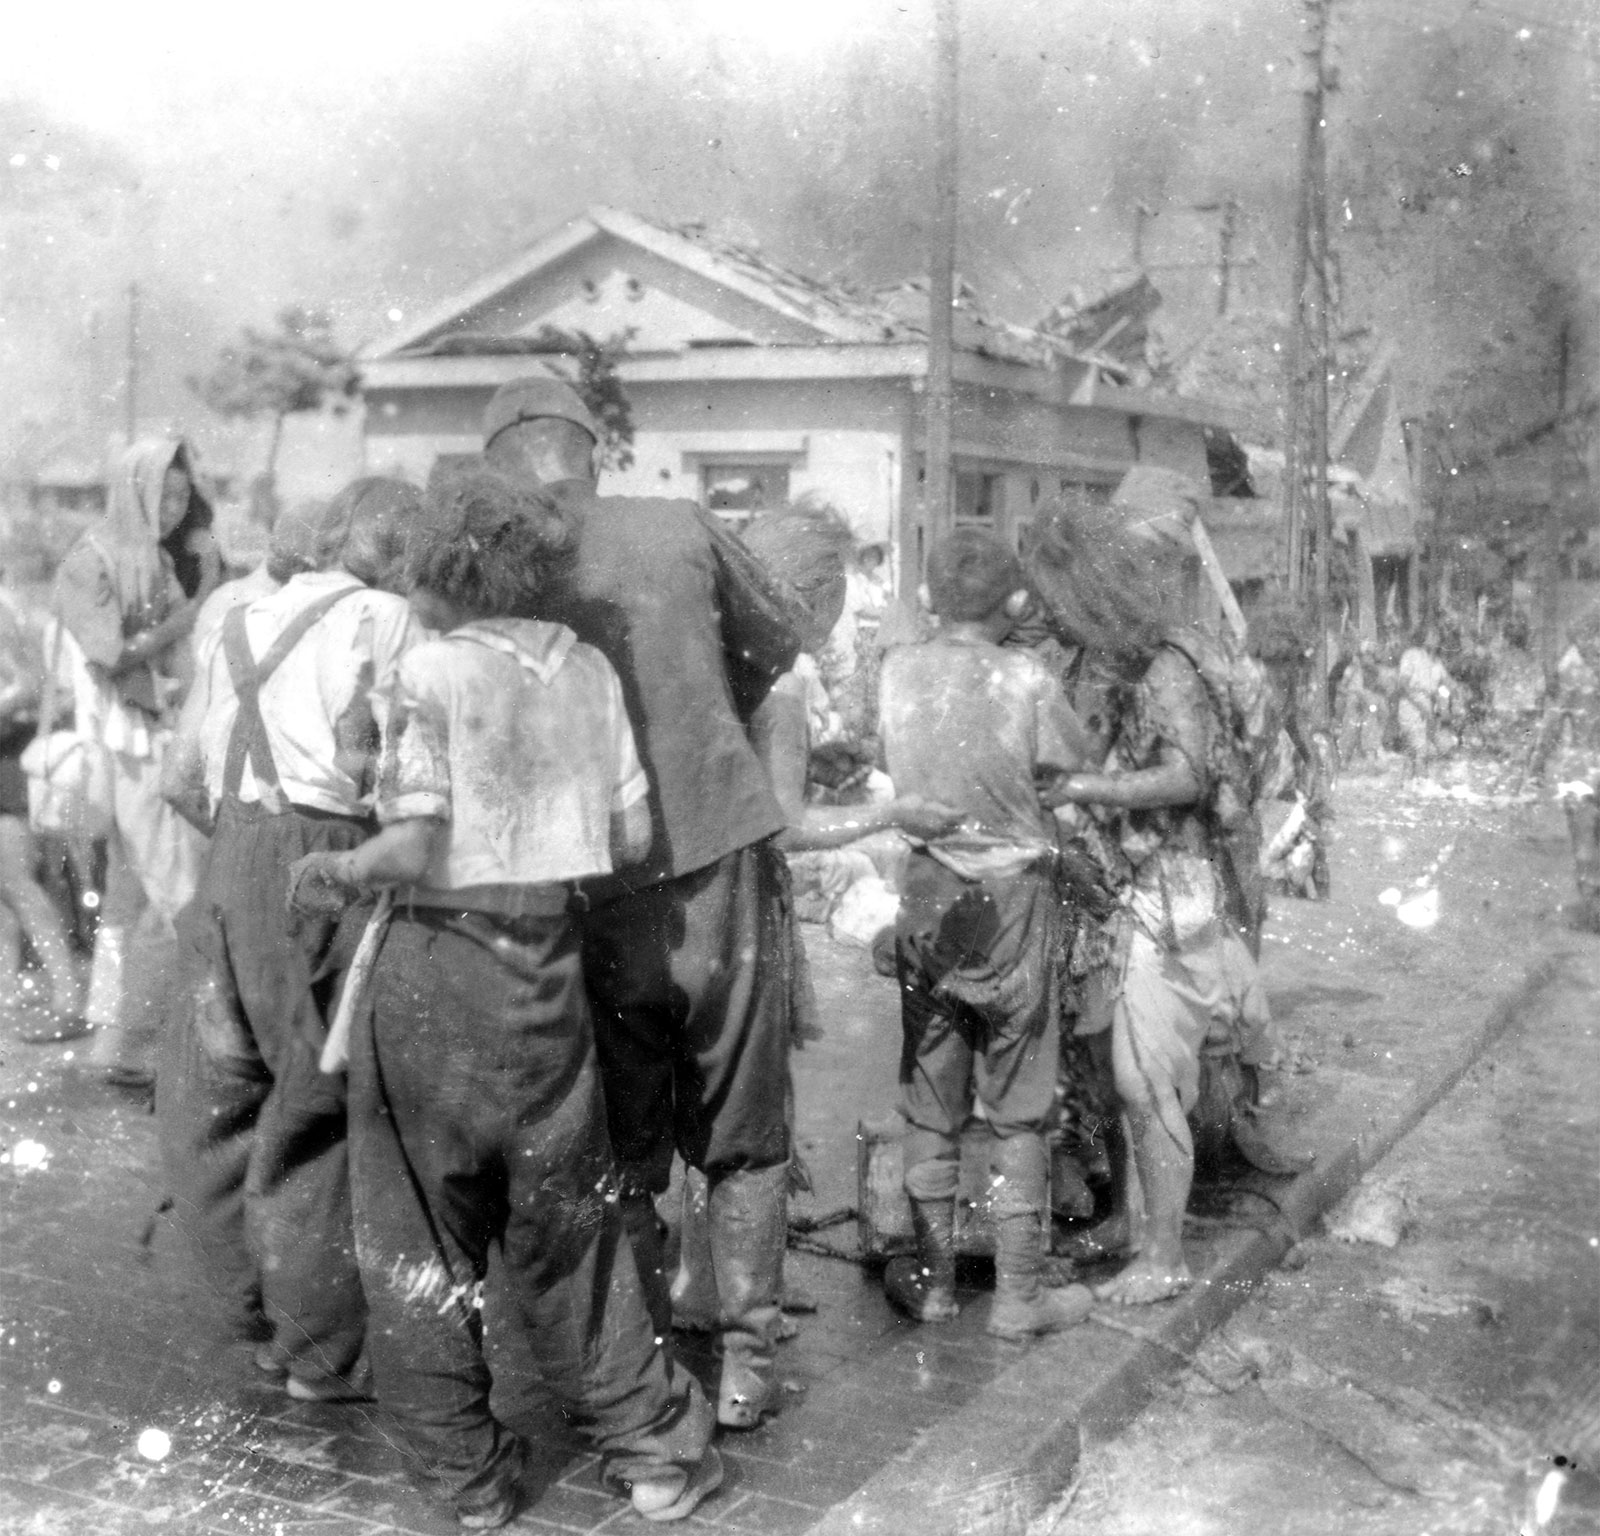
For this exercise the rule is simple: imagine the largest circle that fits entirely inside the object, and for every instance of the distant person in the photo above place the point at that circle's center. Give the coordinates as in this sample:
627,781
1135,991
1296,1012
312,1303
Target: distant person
128,592
980,932
1422,701
28,917
690,1010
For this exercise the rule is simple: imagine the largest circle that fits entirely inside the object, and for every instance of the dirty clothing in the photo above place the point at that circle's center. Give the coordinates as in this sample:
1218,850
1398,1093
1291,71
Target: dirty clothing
253,1135
697,640
476,1118
980,1004
516,735
692,1017
254,1132
970,725
476,1114
1169,972
321,704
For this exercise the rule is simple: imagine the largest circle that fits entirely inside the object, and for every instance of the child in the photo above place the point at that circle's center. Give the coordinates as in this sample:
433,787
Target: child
979,936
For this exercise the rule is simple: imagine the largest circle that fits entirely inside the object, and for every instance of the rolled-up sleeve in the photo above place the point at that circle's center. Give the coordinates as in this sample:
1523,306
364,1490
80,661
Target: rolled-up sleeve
414,770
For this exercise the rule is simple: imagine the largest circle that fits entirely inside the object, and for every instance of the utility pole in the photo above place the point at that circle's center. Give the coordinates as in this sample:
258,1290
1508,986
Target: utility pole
1309,512
939,480
1226,234
1550,554
130,394
1141,216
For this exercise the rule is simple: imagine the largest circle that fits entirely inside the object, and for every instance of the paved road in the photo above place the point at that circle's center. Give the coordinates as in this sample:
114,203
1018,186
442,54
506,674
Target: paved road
1372,1391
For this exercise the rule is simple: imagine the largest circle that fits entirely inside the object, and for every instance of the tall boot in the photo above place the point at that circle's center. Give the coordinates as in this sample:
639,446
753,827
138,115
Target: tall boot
924,1287
643,1227
694,1287
749,1224
1023,1305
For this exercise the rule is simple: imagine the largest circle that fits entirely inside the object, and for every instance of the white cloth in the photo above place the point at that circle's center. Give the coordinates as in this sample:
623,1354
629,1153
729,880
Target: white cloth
515,734
324,699
227,597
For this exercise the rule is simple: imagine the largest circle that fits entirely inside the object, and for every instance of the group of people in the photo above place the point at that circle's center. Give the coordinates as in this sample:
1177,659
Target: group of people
468,848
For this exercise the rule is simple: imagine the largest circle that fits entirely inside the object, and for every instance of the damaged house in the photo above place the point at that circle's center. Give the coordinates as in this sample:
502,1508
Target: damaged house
750,384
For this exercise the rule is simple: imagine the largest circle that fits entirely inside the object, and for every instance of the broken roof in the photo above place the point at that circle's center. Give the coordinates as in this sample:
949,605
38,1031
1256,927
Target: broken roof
824,310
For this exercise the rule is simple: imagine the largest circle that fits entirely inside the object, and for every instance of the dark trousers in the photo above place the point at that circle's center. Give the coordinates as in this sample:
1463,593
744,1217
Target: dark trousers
690,998
476,1118
979,1001
252,1133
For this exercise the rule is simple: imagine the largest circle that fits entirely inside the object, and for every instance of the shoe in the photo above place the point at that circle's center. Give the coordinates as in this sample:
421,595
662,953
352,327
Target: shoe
1023,1304
489,1517
1049,1309
333,1390
56,1029
677,1493
269,1361
924,1286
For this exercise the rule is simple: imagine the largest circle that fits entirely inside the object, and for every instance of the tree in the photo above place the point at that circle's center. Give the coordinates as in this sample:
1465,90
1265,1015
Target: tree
297,367
595,375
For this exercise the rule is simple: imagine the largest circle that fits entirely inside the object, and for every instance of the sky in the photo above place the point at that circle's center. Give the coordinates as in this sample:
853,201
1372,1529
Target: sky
370,158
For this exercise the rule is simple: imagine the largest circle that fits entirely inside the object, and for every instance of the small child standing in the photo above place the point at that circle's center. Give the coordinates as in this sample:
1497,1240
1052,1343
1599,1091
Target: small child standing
977,944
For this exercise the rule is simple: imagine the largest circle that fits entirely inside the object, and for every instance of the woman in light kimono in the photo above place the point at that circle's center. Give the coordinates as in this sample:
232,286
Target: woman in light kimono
127,594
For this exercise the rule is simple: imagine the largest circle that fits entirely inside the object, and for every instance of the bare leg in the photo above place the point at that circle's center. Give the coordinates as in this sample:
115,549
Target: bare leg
1163,1154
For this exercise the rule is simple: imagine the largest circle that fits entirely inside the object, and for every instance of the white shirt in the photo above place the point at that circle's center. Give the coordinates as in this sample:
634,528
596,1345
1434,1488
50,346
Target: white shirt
515,734
324,704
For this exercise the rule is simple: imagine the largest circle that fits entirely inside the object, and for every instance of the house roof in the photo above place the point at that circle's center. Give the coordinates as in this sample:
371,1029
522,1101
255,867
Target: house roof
817,311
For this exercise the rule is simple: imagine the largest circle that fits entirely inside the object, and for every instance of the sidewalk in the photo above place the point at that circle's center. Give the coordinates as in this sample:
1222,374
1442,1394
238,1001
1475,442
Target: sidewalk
886,1427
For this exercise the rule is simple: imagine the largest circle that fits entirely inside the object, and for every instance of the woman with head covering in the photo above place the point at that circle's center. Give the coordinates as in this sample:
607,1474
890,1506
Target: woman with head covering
126,595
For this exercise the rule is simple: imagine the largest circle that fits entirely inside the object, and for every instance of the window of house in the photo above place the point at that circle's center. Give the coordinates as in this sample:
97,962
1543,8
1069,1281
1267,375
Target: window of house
980,498
737,492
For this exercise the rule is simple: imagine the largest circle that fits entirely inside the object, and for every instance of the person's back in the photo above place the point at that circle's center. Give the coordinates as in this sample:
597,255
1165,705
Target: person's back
645,593
531,764
980,931
969,723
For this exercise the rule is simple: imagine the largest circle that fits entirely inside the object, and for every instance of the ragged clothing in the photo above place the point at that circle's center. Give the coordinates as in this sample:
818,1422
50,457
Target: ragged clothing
1170,967
979,964
514,733
970,725
476,1111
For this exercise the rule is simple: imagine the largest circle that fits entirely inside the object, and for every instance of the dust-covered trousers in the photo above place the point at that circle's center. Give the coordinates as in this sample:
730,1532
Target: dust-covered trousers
475,1119
253,1134
978,963
692,1017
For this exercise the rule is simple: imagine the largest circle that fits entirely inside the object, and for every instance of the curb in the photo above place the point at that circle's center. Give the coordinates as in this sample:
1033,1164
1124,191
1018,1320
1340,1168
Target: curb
994,1466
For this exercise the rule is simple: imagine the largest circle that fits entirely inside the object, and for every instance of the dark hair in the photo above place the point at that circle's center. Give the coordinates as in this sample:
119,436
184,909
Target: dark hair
490,545
1101,580
362,529
970,574
807,546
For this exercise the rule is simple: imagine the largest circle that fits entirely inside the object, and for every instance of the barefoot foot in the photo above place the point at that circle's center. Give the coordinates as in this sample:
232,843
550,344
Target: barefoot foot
1143,1282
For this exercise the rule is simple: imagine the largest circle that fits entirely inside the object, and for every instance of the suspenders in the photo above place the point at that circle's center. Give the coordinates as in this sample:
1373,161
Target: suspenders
249,742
